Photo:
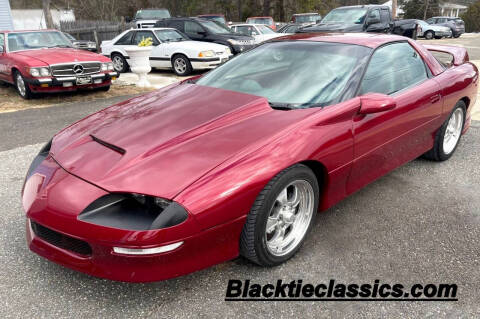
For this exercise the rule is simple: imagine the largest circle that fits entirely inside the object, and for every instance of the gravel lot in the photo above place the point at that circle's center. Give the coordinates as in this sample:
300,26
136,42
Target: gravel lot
418,224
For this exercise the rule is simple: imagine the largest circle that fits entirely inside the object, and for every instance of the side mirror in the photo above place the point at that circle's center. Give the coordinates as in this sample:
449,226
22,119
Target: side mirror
376,102
202,33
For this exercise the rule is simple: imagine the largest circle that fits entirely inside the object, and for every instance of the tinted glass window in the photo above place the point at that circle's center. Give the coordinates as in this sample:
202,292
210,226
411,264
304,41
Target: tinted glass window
126,39
140,35
393,68
385,15
193,27
374,14
441,20
179,25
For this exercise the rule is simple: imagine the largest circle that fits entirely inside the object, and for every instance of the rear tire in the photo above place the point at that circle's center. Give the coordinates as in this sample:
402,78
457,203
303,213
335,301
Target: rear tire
181,65
120,64
281,217
448,135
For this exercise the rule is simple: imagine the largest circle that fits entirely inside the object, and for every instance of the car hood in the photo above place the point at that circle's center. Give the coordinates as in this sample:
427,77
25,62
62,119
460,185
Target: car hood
160,143
199,46
62,55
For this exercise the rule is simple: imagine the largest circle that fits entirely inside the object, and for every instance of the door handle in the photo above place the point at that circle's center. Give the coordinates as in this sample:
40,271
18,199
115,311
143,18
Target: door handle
435,98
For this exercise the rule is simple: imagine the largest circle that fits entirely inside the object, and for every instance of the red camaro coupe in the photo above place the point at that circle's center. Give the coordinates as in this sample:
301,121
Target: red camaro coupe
45,61
239,160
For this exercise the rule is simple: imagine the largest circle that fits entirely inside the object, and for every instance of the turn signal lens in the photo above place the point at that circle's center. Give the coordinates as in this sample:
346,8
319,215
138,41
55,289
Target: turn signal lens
206,54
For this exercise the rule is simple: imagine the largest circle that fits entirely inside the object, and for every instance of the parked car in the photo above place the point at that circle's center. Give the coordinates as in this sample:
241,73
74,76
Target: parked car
240,160
81,44
146,18
364,18
44,61
171,50
430,31
306,18
209,31
259,32
455,24
262,20
290,28
214,17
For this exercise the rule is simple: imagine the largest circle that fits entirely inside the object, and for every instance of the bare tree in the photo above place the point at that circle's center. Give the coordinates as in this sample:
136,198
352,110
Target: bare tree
48,14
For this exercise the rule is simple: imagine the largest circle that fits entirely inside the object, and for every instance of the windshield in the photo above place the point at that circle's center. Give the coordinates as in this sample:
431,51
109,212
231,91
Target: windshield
215,27
215,18
152,14
291,74
170,36
37,40
347,16
267,21
264,29
307,18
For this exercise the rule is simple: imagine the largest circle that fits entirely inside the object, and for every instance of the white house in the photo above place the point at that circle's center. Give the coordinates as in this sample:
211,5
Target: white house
452,9
34,19
6,22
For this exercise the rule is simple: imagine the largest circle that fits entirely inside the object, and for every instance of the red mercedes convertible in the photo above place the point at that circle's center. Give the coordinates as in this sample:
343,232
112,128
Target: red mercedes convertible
239,160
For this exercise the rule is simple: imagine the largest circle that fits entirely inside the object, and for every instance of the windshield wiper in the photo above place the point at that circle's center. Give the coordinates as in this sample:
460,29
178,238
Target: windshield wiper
281,106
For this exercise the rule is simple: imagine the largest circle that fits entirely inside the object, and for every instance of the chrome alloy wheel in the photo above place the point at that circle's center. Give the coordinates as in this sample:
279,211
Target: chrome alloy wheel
453,131
180,65
21,85
289,218
117,63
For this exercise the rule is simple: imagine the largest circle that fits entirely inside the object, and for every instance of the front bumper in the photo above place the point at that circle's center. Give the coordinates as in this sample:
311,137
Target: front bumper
53,199
209,63
59,83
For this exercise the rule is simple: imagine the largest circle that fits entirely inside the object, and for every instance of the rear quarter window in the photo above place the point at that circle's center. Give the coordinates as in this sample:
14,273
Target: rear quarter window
126,39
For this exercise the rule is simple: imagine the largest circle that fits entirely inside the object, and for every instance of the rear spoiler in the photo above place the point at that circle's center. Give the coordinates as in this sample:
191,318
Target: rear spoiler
460,55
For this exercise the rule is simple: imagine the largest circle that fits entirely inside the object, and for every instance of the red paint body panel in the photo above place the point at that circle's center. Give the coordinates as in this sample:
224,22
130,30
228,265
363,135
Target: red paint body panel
212,151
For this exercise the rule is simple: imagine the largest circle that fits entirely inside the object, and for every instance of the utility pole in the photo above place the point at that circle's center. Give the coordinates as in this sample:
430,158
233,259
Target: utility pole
426,9
394,9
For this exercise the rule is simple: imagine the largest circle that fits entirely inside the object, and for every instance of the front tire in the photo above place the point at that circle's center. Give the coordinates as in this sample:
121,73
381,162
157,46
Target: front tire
22,87
429,35
181,65
120,64
448,135
281,217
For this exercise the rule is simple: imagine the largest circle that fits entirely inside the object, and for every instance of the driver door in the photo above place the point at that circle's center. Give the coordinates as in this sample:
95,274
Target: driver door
388,139
194,31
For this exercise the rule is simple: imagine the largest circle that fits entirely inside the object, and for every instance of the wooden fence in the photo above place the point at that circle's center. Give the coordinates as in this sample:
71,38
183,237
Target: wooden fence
96,31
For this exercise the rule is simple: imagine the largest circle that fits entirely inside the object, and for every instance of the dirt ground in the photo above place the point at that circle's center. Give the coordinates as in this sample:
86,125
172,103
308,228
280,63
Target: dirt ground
10,101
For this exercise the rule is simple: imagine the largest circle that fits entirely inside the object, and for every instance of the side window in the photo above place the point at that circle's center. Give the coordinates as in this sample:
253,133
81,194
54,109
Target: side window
244,30
385,15
392,68
140,35
177,25
441,20
126,39
193,27
430,21
374,14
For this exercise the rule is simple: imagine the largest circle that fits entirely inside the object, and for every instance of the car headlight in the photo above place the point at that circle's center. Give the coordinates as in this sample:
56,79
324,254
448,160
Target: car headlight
228,51
104,66
206,54
37,72
133,212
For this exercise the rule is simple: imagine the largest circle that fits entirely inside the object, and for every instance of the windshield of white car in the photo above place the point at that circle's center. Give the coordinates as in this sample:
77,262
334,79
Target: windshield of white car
307,18
152,14
347,16
264,29
170,36
215,27
293,74
268,21
37,40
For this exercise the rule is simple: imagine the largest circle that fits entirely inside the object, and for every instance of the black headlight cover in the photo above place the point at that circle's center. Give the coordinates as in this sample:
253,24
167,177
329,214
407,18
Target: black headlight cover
132,212
41,156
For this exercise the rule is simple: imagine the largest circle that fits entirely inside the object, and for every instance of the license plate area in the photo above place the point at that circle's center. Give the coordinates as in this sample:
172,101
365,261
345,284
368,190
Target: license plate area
83,80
